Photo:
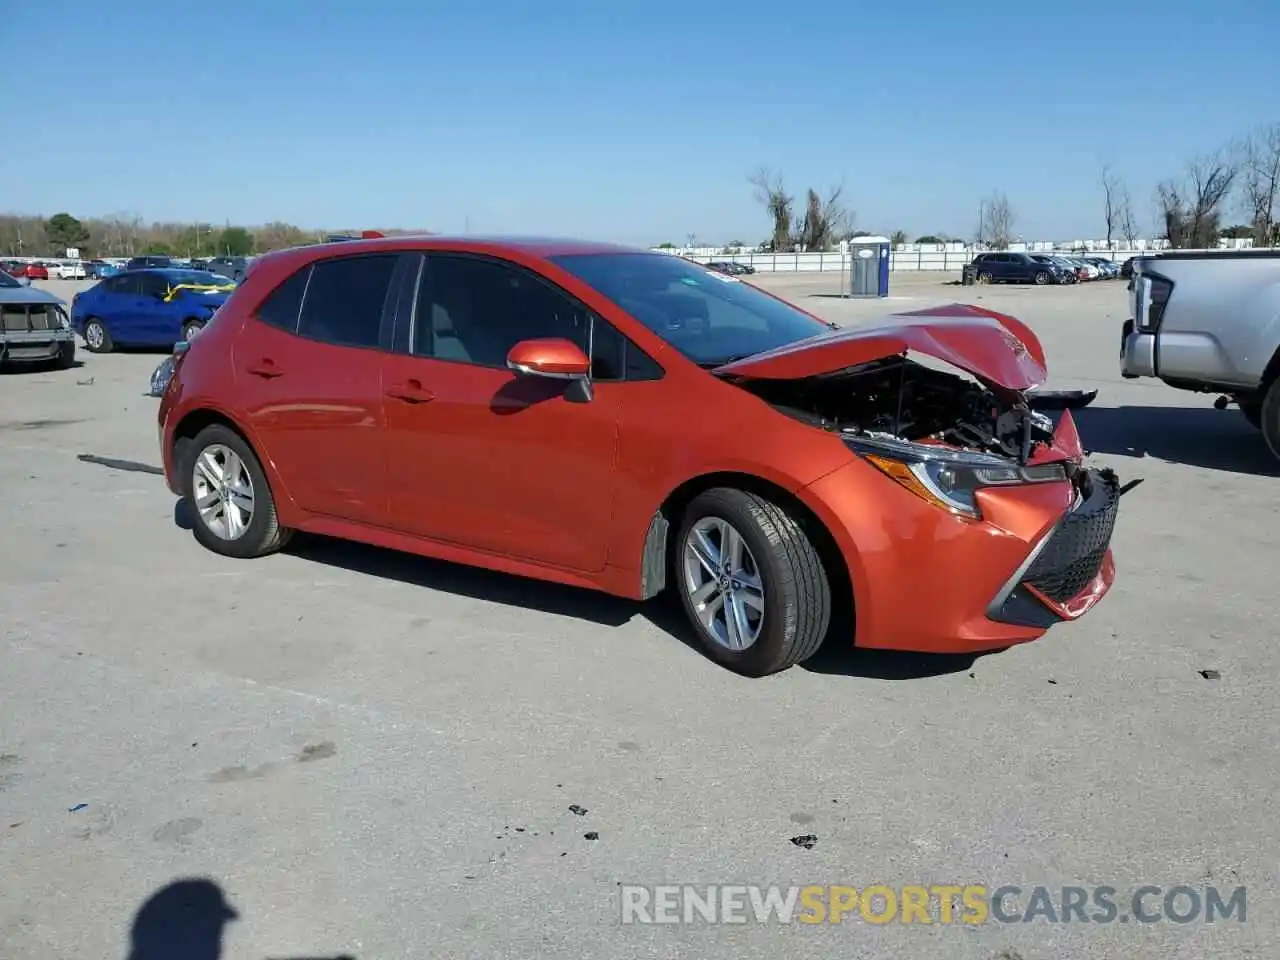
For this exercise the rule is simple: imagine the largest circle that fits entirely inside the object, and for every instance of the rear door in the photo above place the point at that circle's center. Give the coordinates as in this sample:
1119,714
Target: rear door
309,373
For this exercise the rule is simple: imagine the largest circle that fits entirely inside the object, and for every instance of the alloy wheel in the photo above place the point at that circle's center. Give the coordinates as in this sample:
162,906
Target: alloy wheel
94,335
223,490
723,583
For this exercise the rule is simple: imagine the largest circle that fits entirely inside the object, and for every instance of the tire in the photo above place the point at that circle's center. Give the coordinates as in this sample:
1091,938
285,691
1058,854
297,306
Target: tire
985,277
96,337
190,328
1269,418
262,534
1041,279
66,358
794,589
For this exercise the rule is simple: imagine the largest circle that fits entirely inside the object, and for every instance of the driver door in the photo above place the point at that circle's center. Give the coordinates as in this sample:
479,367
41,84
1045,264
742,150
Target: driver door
480,456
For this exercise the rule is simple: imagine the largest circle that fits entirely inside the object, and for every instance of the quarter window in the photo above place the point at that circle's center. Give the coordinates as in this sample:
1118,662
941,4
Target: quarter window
345,300
282,305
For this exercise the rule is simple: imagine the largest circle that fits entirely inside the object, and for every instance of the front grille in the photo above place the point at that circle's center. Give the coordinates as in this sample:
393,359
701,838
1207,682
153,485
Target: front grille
20,318
1074,553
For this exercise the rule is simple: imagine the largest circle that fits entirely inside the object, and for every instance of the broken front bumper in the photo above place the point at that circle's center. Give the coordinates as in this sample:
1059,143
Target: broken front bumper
1071,569
35,346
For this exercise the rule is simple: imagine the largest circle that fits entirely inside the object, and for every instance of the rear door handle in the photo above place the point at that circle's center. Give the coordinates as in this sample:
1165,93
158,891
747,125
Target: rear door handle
265,368
411,391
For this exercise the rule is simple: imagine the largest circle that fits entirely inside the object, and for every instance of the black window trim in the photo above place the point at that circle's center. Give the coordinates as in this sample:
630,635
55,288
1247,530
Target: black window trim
424,267
386,319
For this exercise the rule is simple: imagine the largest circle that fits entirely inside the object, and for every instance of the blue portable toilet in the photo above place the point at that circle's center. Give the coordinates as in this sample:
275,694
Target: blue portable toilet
869,266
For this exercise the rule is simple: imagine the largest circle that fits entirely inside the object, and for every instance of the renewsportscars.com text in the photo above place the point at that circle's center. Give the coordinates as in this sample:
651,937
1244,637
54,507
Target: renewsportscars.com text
932,904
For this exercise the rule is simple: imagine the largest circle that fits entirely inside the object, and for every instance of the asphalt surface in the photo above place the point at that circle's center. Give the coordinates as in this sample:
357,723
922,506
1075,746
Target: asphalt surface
375,755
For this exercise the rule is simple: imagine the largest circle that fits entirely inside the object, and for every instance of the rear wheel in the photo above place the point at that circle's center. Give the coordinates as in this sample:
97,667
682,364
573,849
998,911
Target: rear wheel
1269,418
190,328
751,582
1041,278
96,337
984,277
233,511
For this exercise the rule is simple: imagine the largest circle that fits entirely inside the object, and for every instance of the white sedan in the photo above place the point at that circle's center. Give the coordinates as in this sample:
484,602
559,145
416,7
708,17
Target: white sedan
71,271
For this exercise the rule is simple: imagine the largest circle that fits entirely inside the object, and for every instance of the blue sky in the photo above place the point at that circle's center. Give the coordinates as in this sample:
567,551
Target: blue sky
630,121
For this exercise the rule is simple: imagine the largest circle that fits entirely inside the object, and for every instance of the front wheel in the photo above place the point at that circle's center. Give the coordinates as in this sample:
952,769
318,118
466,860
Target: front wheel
233,511
984,277
66,358
751,582
1041,279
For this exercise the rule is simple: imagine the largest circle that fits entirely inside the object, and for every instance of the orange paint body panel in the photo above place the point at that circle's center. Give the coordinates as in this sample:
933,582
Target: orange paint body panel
511,469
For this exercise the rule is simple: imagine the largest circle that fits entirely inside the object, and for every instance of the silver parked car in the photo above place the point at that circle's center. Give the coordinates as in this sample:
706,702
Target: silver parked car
34,327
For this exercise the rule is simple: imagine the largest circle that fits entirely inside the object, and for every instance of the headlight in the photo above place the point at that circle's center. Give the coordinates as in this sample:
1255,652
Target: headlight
161,376
947,478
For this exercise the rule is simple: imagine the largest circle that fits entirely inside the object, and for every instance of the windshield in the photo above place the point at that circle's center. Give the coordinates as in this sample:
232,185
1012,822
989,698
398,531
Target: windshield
8,281
200,278
709,317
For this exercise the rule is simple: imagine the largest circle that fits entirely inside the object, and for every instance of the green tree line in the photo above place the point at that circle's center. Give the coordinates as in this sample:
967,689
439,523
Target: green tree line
127,235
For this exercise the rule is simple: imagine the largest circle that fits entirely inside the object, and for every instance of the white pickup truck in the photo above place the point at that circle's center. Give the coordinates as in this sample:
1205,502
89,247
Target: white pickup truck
1210,322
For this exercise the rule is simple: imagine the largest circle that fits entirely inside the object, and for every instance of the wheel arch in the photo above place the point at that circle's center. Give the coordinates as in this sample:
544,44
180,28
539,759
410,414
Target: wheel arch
192,421
660,540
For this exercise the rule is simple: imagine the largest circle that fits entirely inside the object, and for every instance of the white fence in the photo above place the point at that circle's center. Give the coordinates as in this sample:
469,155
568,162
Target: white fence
902,261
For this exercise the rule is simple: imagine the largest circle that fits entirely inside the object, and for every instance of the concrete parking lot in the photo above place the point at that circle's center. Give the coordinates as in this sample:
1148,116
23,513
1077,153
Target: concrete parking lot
376,755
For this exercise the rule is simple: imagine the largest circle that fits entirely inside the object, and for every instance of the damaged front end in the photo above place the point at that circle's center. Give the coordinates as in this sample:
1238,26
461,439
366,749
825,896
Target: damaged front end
942,436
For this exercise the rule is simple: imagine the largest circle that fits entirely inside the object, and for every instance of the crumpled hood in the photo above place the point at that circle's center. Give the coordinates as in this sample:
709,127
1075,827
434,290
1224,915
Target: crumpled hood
997,349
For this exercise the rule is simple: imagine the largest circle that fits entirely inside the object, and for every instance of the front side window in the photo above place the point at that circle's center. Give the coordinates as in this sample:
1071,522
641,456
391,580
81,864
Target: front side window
707,316
345,299
474,310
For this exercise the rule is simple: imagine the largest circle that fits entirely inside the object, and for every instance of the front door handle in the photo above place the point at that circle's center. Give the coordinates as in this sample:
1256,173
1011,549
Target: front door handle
265,368
411,391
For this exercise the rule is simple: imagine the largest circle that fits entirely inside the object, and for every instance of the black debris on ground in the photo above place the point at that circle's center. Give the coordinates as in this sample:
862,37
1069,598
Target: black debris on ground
808,841
1210,674
591,835
577,810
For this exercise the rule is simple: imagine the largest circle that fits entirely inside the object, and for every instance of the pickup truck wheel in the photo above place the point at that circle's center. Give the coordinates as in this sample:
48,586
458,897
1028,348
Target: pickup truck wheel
1270,418
750,582
96,337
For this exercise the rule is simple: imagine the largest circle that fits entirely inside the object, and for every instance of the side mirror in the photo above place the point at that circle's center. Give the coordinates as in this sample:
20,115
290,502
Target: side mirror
553,358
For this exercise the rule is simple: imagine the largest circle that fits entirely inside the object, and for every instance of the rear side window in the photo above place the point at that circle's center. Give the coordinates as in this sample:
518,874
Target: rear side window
283,304
345,300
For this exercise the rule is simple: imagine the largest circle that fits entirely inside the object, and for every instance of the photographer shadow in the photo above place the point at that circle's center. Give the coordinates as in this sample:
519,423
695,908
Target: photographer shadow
187,920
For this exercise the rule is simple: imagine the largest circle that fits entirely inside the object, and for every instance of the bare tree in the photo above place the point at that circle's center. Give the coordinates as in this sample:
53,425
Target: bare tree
1111,189
825,221
996,217
1260,182
1190,209
771,193
1124,217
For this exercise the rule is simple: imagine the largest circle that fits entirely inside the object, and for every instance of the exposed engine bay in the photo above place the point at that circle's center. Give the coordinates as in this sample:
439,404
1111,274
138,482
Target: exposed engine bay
898,397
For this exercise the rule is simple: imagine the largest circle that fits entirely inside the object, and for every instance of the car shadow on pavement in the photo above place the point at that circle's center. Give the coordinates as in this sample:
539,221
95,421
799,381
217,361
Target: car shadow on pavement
186,920
836,658
1195,436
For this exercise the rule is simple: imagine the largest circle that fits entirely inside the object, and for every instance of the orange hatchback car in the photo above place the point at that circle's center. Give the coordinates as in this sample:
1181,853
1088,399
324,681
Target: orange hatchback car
629,421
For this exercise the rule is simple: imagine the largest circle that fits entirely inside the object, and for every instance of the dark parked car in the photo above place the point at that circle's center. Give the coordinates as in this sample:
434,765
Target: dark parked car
1062,273
149,262
1011,268
731,268
233,267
